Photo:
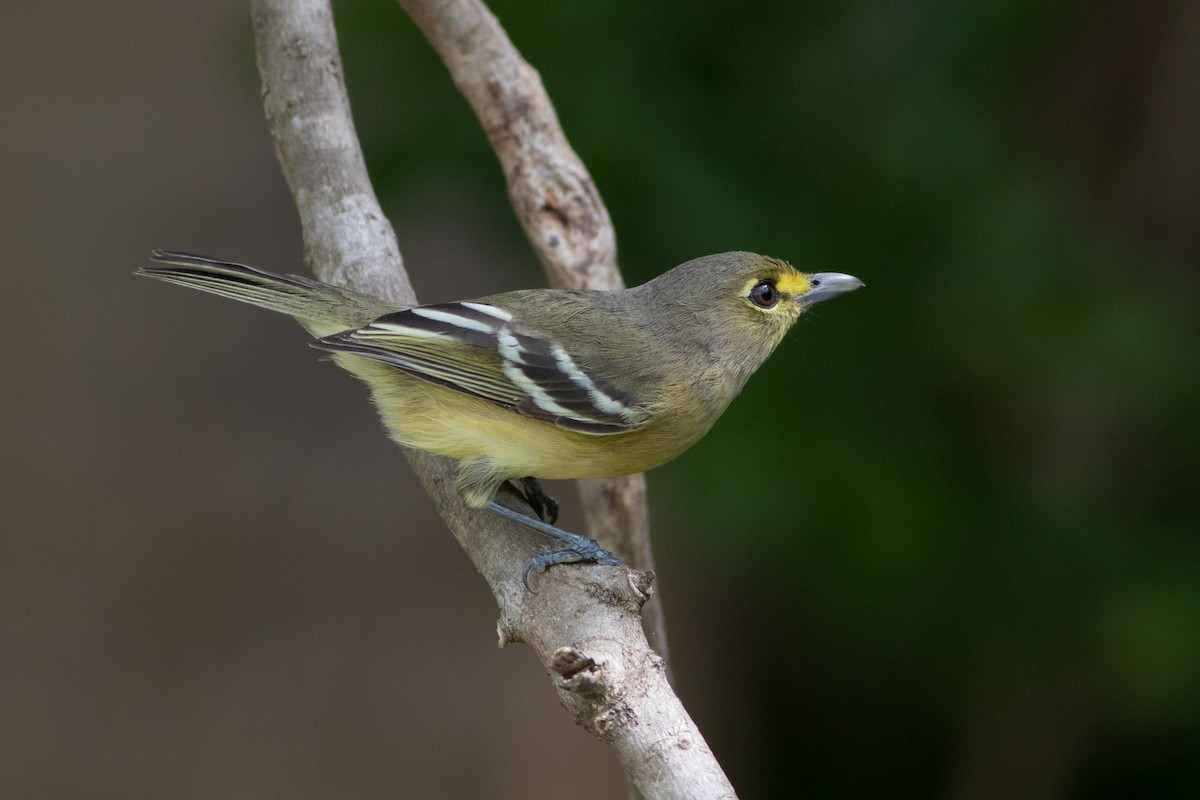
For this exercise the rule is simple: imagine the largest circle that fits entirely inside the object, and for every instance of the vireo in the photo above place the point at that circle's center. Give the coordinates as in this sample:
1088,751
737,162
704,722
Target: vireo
545,383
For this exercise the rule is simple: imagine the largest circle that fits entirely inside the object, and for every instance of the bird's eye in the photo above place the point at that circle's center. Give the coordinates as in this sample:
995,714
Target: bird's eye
764,294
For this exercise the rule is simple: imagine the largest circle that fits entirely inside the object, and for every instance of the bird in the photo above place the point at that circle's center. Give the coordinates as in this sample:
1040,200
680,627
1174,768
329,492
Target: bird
544,383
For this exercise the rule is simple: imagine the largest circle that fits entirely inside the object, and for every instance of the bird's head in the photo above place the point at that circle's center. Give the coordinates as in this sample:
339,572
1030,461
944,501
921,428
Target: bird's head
736,290
738,306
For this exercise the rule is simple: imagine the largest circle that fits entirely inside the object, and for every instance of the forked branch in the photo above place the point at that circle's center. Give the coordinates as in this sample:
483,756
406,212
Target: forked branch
584,622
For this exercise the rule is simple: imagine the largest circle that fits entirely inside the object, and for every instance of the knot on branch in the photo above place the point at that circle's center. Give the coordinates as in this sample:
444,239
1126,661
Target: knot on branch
594,679
629,595
573,667
642,583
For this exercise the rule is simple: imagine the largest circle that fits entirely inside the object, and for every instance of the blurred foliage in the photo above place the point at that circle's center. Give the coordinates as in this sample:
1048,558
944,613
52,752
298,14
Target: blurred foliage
969,489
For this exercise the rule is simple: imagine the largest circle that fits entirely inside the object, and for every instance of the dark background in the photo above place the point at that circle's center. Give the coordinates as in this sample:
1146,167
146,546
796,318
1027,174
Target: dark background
944,545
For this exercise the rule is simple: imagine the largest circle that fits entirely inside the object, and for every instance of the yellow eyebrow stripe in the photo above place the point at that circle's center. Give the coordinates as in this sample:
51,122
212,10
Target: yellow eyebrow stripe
793,283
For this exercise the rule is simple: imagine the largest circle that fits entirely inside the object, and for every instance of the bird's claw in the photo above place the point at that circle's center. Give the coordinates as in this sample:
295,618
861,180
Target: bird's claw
592,553
578,548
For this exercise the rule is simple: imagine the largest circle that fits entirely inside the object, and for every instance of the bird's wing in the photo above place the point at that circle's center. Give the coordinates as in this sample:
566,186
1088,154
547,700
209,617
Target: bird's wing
482,350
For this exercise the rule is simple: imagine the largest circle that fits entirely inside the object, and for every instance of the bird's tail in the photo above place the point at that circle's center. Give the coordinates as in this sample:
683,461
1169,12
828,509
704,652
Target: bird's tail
320,307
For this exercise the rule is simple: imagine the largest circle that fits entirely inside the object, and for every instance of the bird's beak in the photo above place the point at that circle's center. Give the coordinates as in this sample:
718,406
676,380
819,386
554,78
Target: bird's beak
826,285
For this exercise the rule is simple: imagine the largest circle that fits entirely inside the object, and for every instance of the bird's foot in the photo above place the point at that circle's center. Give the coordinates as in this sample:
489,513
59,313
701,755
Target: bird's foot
593,553
578,549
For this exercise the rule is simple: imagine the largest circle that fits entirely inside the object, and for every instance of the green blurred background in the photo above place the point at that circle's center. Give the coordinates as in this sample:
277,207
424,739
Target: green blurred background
945,544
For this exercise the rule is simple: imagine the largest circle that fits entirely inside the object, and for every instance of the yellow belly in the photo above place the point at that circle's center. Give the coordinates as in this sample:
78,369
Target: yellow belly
495,444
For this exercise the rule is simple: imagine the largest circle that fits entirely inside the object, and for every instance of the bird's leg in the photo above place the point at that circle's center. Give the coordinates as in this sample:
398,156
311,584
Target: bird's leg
578,548
531,491
542,504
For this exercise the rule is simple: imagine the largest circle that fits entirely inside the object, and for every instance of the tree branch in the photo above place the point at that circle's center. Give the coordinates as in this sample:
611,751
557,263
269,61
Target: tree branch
560,210
554,196
584,622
